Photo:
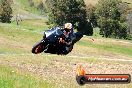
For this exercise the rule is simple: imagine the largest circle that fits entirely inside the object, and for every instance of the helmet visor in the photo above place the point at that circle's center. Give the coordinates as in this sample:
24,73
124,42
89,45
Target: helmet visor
67,30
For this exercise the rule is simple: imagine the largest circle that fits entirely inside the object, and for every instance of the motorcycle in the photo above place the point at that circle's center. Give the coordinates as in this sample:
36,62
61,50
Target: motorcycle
50,42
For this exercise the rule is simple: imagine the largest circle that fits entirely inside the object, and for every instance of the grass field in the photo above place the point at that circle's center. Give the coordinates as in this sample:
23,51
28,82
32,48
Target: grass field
23,6
19,68
12,78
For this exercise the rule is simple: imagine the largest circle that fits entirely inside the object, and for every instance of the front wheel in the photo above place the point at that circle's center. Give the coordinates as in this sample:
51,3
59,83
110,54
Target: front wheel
38,48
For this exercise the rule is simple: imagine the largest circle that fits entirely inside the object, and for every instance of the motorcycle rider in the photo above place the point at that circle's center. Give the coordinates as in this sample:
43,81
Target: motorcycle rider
66,40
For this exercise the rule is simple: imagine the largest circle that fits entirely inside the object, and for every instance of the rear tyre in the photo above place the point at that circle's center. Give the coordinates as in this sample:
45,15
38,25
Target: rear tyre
38,48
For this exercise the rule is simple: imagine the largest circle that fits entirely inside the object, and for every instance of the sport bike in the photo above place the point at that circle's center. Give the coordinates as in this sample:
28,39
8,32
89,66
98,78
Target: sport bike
50,42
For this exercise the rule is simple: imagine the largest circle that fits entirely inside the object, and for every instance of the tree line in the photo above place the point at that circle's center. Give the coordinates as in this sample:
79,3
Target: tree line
109,15
5,11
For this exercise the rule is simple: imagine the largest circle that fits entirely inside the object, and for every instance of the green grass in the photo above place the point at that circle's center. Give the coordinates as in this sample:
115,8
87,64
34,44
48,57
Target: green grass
25,6
32,24
8,49
22,71
27,34
108,47
21,38
16,40
19,35
12,78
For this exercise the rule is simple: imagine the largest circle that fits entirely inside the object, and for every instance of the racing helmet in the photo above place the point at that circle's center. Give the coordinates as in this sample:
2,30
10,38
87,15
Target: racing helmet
67,26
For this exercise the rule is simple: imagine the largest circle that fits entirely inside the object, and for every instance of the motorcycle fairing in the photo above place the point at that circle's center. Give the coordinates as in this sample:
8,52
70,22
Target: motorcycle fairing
53,34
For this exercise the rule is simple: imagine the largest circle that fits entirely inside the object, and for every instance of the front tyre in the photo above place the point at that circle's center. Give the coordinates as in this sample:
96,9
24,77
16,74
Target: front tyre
38,48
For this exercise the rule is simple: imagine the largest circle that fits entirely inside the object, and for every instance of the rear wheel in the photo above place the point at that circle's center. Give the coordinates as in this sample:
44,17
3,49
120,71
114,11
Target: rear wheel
38,48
